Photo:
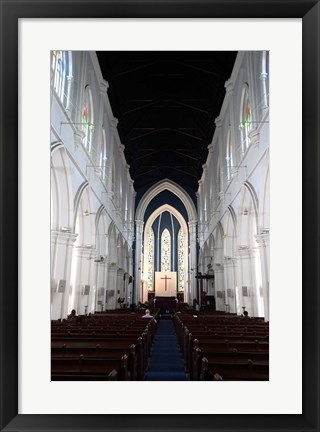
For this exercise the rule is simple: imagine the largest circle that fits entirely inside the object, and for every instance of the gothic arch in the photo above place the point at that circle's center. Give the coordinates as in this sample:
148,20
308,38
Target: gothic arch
148,226
61,188
171,187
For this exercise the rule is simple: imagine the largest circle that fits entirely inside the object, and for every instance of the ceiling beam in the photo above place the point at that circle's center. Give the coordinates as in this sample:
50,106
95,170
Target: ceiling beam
166,130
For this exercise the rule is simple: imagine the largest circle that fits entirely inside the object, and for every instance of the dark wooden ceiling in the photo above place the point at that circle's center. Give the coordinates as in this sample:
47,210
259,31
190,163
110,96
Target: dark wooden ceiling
166,104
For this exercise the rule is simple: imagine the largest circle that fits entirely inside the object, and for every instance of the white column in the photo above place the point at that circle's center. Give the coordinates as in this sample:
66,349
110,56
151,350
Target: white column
101,283
230,284
120,287
193,258
112,150
222,154
84,273
111,287
219,286
138,261
61,259
250,277
264,245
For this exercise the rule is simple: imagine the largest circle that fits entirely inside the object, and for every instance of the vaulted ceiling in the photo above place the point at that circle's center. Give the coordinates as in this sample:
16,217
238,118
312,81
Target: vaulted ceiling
166,104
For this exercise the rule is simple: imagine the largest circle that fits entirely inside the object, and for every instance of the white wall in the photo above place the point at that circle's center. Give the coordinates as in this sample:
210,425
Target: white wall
237,197
92,196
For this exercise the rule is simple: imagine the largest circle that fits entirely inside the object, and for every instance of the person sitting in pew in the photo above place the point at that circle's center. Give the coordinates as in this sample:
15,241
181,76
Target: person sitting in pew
147,314
72,316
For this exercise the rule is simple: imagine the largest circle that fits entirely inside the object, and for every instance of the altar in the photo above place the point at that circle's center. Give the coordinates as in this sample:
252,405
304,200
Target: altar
165,284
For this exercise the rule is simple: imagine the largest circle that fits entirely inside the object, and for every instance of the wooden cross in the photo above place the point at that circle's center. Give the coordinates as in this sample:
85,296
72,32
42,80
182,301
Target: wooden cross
165,278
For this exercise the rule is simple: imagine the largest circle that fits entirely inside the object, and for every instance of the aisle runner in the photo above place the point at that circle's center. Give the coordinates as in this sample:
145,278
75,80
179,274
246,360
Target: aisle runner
166,363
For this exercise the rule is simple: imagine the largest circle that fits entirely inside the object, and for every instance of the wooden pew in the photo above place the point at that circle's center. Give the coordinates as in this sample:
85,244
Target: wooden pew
231,357
81,368
244,371
98,352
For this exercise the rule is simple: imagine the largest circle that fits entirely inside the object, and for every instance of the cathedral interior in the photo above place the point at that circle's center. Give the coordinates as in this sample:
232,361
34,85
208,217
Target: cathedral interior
160,203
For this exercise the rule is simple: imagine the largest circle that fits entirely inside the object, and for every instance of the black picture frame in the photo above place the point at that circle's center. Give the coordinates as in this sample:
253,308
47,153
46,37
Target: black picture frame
11,11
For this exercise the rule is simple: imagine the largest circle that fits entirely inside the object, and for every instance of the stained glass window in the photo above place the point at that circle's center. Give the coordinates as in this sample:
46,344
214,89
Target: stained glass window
181,244
245,119
61,73
58,67
87,117
103,154
165,250
150,269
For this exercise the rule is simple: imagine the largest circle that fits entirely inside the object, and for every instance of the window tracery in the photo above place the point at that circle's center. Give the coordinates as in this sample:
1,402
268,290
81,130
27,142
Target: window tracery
165,250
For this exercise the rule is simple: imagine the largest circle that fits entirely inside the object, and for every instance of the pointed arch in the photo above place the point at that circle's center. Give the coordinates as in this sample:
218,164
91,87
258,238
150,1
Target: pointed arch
165,250
171,187
245,117
62,207
77,200
88,118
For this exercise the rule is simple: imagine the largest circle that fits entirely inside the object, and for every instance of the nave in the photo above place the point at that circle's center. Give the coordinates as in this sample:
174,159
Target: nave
170,346
160,195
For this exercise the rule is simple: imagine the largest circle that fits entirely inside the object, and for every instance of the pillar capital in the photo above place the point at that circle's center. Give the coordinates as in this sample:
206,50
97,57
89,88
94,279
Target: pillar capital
139,224
112,267
104,85
218,121
192,224
218,268
78,137
114,123
228,86
263,238
254,137
86,251
63,237
210,148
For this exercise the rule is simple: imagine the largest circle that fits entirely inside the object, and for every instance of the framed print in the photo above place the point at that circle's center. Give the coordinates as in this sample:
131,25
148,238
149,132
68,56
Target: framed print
29,31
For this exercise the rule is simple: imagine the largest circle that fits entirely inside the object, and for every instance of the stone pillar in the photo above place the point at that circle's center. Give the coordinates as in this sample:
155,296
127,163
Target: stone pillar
221,147
111,287
112,150
61,259
138,261
250,277
120,287
230,284
101,285
264,246
219,286
193,258
70,80
229,86
126,292
84,274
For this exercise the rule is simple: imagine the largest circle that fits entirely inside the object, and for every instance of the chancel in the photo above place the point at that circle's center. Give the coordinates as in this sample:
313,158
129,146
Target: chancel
160,201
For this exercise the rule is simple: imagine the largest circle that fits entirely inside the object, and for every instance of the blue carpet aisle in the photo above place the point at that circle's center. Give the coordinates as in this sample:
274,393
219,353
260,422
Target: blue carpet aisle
166,363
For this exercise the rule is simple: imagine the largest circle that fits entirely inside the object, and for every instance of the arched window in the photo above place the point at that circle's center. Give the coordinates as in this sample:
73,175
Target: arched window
102,161
181,260
229,156
61,75
150,267
87,118
265,77
165,250
245,118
